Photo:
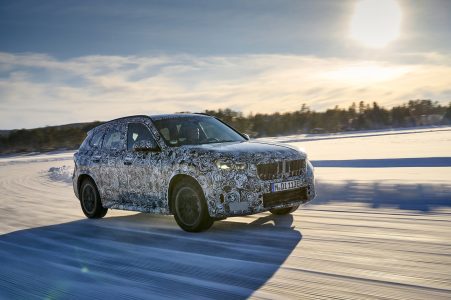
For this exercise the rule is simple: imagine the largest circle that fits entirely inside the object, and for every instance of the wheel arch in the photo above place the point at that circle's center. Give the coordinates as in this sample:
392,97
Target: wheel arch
81,178
173,182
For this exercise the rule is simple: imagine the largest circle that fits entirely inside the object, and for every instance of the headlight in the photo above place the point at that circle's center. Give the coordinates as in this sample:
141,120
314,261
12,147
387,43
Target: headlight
222,165
227,165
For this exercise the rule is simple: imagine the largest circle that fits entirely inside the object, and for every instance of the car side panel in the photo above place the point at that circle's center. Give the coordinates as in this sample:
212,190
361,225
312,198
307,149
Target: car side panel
139,186
144,177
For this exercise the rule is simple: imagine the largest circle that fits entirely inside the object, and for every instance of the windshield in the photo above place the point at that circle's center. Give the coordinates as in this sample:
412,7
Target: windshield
195,130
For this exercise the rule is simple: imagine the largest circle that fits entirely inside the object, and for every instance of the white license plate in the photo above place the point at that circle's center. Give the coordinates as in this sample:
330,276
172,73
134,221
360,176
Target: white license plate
287,185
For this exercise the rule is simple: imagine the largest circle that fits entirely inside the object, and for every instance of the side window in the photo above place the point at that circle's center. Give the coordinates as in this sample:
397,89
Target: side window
112,140
96,139
137,132
170,132
165,133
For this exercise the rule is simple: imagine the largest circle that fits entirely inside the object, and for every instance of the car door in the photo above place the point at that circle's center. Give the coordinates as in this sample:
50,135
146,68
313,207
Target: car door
143,170
114,179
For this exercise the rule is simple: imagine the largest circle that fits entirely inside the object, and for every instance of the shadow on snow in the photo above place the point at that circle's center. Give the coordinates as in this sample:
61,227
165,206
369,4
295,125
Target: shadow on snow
415,162
143,256
420,197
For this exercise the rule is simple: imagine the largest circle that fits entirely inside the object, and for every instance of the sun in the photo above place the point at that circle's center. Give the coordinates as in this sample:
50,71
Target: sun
376,23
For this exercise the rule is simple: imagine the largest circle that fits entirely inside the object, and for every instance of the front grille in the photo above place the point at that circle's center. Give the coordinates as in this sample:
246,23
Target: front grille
284,197
281,169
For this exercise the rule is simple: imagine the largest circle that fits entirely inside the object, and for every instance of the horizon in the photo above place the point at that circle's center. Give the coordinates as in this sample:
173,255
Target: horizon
369,105
75,62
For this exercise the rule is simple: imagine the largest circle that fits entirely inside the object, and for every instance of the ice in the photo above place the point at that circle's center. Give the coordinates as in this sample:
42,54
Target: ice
380,228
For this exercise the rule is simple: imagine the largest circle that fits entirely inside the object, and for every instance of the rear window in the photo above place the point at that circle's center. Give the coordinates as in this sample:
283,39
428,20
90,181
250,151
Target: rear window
96,139
93,140
113,140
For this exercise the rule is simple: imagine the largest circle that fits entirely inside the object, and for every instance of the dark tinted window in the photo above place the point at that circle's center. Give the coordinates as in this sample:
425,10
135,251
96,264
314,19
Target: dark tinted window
112,140
137,132
192,130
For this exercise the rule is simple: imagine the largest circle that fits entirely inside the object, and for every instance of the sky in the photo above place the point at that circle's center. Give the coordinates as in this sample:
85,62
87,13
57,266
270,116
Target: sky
77,61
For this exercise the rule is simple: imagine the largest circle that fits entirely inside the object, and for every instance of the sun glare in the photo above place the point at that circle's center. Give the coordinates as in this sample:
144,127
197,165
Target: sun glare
376,23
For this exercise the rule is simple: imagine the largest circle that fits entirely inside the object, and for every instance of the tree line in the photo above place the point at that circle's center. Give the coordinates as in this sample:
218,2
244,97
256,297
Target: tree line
358,116
45,139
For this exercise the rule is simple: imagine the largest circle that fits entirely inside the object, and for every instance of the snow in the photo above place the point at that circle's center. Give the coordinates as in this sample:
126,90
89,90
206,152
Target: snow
380,228
63,173
36,157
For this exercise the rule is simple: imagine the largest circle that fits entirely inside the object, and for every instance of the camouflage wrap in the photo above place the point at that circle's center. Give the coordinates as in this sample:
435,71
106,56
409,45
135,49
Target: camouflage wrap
139,181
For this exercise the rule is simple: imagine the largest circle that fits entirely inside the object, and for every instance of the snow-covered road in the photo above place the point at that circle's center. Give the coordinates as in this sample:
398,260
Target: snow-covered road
377,230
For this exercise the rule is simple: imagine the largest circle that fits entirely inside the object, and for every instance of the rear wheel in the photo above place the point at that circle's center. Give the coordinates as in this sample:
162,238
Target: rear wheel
189,206
90,200
284,211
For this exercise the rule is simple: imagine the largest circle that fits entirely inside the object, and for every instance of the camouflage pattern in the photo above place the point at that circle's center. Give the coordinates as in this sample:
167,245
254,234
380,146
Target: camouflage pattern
140,181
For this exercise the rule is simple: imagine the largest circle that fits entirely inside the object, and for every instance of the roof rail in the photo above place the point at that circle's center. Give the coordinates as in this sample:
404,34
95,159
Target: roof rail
117,119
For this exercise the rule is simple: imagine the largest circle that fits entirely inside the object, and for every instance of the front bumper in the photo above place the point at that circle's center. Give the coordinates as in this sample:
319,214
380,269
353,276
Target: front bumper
243,193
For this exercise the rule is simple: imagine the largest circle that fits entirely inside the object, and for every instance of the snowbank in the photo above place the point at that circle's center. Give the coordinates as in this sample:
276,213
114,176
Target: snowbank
63,173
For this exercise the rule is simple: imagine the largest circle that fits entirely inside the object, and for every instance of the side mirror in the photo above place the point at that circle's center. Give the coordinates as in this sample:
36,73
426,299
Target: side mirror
246,136
145,146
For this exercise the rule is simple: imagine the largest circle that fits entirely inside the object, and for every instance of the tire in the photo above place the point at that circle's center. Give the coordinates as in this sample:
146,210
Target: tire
284,211
189,206
90,200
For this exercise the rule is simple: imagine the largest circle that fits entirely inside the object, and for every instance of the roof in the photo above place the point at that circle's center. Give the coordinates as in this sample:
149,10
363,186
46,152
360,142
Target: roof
154,118
177,115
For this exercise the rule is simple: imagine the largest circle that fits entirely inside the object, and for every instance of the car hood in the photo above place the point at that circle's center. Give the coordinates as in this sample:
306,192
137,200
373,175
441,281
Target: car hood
250,151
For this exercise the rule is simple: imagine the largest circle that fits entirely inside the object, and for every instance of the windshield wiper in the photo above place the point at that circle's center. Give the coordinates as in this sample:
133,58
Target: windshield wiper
225,141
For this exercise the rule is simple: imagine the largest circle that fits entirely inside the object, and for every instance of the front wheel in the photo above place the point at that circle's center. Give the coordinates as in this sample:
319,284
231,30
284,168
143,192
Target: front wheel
90,200
189,207
284,211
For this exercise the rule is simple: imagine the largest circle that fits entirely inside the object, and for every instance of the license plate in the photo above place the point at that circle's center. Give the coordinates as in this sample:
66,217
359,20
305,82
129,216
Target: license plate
287,185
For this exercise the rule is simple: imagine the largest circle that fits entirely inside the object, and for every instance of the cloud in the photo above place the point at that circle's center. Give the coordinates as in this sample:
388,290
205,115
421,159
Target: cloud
39,90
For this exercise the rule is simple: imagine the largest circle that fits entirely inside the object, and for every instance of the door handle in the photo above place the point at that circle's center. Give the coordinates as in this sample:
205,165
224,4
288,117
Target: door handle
96,158
128,161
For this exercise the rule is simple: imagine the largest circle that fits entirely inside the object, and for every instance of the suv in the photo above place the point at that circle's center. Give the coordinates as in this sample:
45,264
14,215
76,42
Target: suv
193,166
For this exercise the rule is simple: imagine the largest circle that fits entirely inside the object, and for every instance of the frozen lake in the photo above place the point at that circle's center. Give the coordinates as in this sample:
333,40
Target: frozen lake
379,228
